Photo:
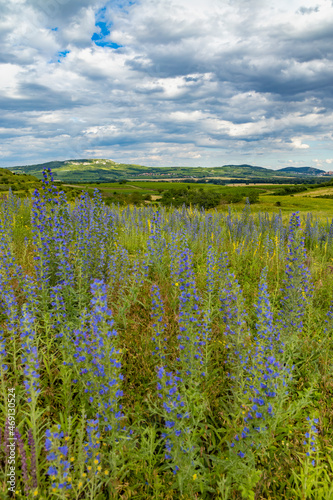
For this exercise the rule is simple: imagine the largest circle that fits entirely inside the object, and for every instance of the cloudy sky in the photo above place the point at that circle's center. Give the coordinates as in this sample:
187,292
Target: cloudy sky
164,82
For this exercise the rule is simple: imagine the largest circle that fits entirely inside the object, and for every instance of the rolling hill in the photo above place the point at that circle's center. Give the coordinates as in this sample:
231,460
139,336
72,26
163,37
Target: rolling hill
302,170
103,170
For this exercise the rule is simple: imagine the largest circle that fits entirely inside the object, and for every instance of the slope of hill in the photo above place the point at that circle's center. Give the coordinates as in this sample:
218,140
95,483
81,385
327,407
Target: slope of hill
20,183
23,185
102,170
302,170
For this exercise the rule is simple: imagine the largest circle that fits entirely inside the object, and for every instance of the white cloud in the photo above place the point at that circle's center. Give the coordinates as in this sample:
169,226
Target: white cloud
81,29
9,84
215,81
297,143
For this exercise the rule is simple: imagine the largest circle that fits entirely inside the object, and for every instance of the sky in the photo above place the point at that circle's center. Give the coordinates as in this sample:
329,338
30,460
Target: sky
167,83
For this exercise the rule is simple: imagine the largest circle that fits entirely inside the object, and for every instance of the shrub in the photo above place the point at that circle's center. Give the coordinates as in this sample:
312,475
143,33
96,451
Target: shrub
195,197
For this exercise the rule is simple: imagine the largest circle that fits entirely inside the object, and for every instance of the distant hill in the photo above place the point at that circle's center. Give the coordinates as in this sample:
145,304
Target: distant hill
302,170
103,170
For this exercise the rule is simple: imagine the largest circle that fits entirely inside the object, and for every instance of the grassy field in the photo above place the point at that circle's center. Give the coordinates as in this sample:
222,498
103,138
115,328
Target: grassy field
323,207
318,192
117,192
151,192
303,202
160,185
155,353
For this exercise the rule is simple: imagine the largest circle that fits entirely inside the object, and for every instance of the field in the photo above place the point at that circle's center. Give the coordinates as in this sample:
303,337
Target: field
149,352
139,193
151,192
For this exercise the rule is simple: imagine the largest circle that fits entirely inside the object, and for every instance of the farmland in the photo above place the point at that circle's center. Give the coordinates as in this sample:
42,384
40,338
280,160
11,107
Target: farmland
151,192
155,352
146,193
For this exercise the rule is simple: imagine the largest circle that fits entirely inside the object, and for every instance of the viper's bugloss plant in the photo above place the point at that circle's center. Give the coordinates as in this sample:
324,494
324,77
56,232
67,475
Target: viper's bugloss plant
176,246
191,335
159,326
265,377
310,440
30,290
3,352
30,356
297,289
31,377
59,464
175,410
156,242
10,311
98,359
234,328
58,313
190,275
261,384
179,434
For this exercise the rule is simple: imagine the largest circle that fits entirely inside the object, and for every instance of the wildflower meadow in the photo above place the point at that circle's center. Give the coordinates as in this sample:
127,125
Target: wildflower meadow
162,353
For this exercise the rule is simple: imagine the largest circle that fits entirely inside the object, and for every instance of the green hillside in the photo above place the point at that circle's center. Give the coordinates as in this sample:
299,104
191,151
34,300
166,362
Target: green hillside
302,170
102,170
21,184
24,184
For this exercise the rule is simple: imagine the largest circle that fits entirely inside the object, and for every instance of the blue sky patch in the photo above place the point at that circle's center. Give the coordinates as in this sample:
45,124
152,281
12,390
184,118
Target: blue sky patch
100,39
105,43
63,54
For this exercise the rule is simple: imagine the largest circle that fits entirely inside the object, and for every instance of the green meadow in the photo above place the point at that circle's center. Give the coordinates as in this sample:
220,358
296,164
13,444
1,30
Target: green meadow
154,352
312,199
306,201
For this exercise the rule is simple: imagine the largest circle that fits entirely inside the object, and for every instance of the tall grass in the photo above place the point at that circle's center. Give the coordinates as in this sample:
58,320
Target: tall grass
164,353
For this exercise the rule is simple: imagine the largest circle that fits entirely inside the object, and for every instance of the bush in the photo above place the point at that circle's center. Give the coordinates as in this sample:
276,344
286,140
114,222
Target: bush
231,198
195,197
253,197
288,190
135,198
